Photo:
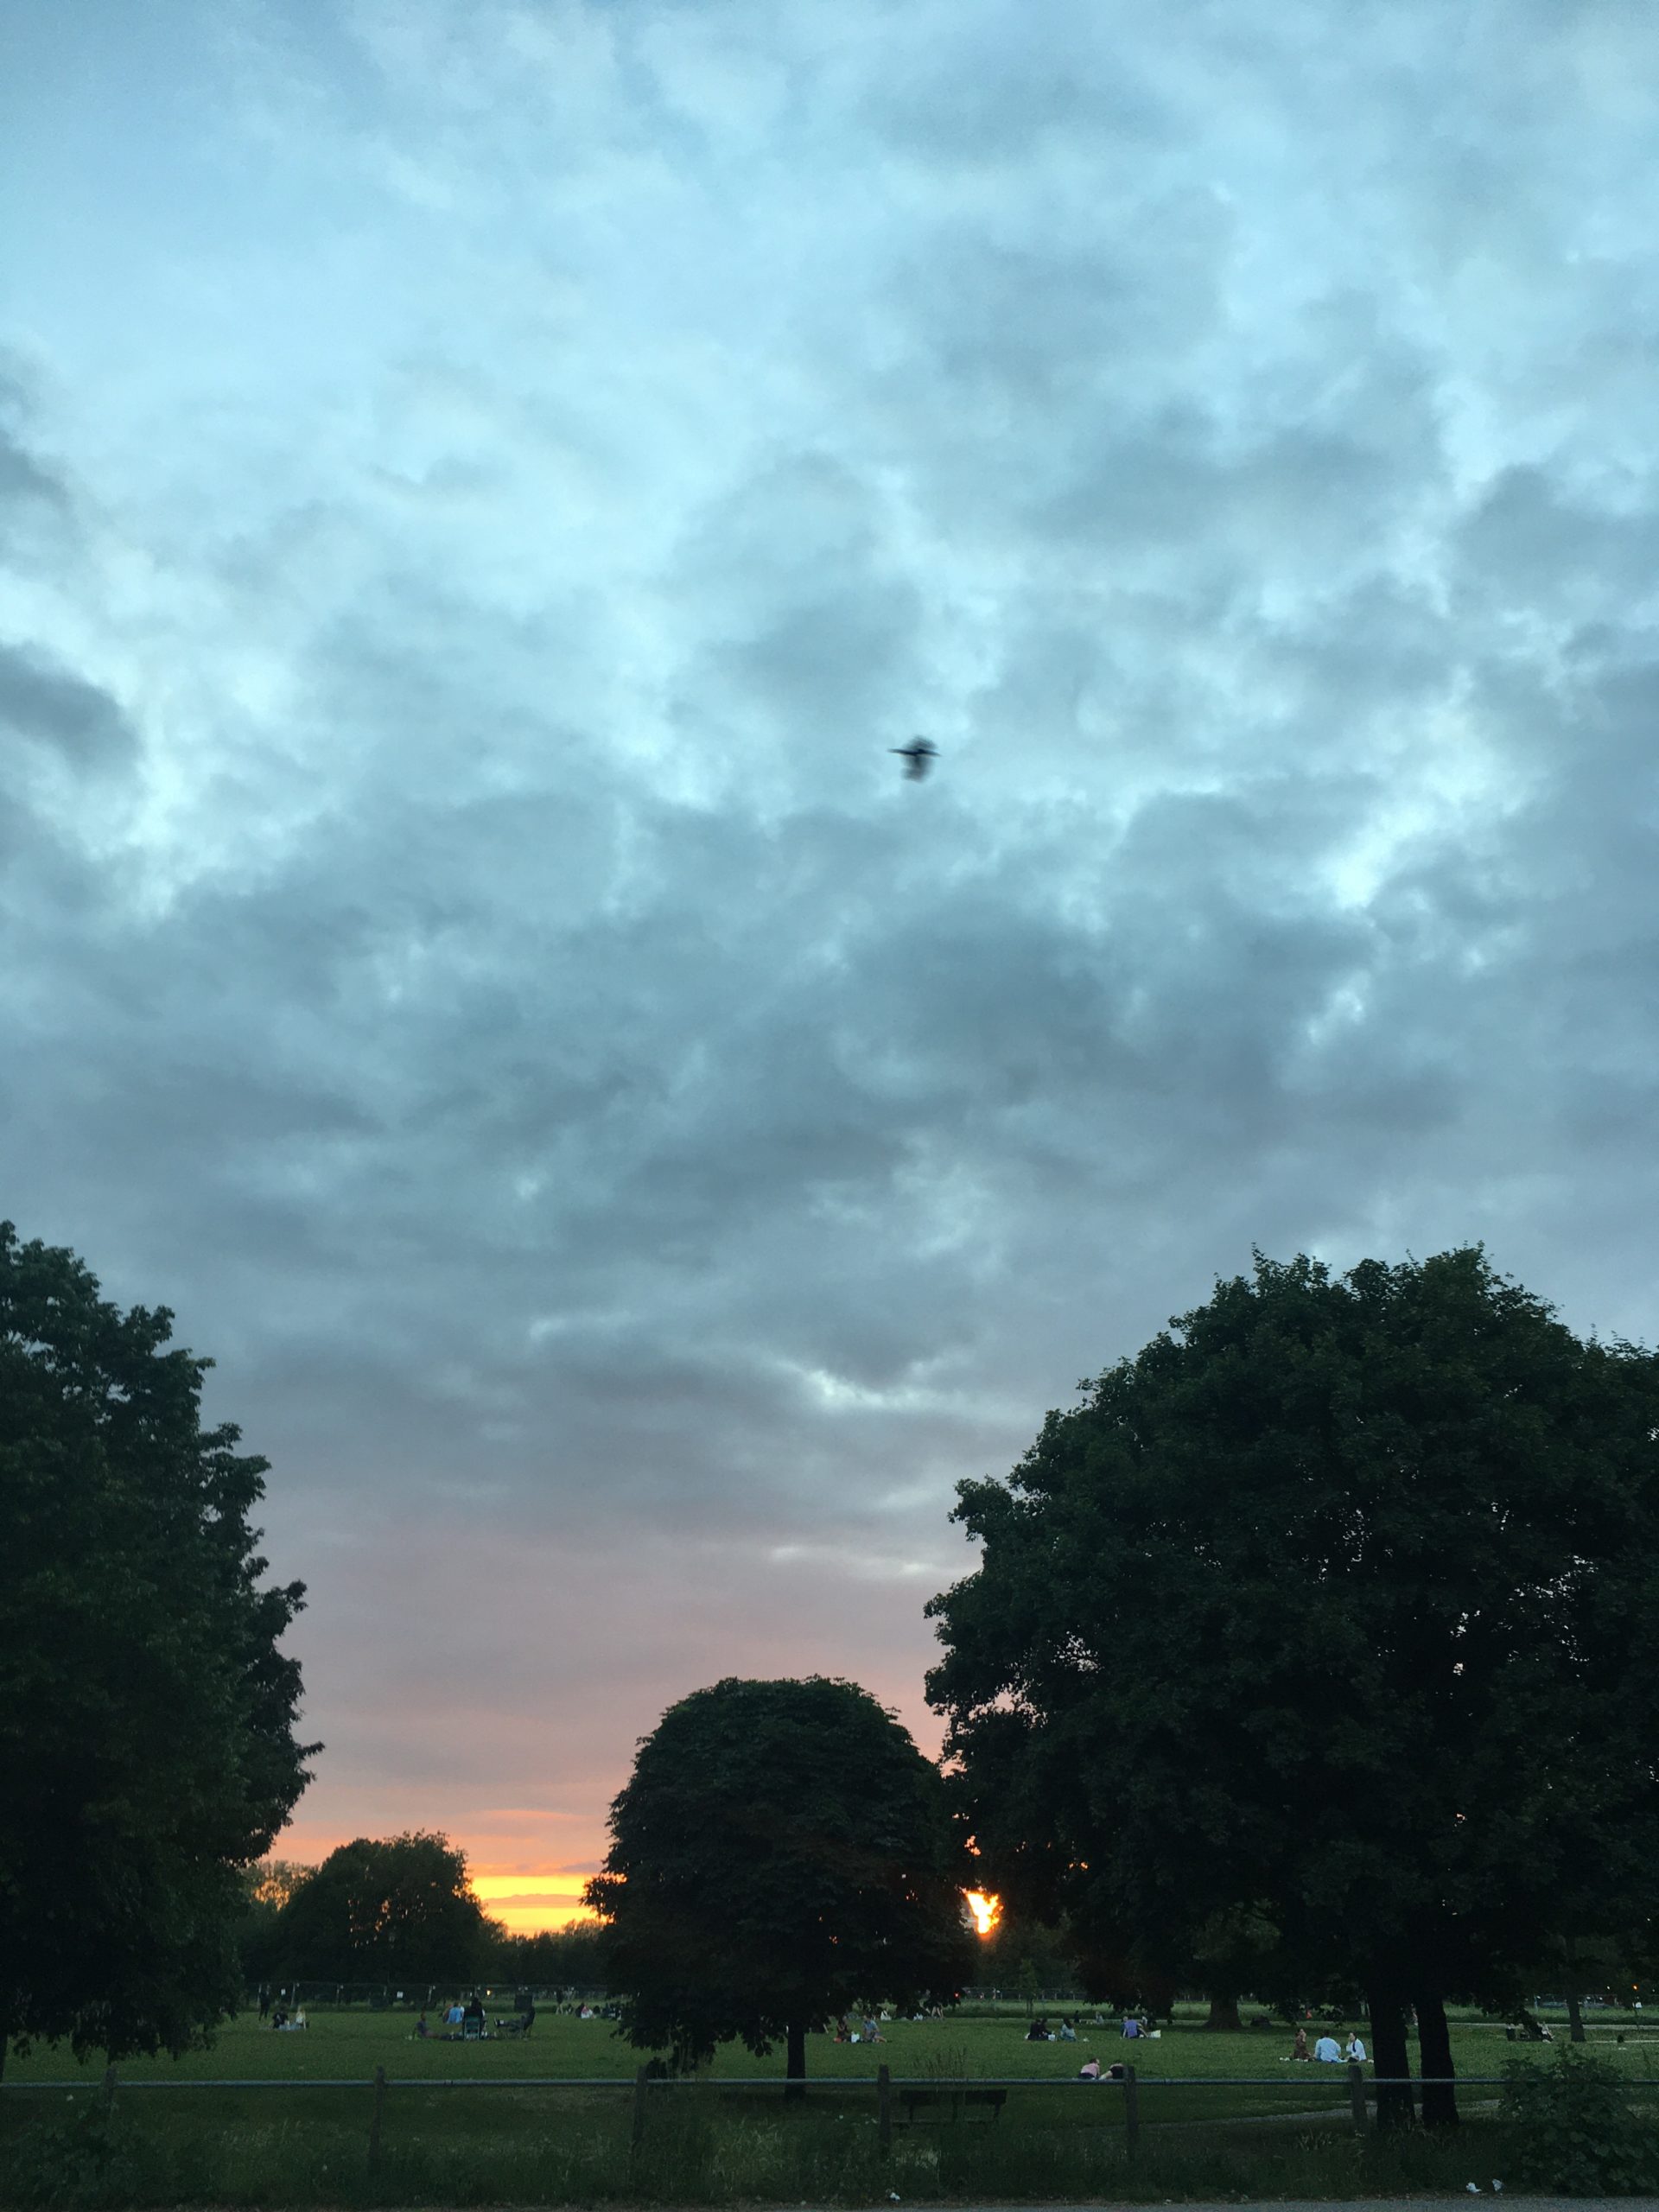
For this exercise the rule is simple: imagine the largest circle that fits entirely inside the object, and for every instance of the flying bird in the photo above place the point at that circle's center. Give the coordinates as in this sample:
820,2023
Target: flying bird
916,756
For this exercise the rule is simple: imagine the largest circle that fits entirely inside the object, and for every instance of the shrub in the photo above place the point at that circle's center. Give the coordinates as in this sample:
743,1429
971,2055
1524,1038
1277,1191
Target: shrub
1576,2129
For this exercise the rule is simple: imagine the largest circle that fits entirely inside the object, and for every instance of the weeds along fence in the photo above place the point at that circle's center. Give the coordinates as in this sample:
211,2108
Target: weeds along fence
633,2106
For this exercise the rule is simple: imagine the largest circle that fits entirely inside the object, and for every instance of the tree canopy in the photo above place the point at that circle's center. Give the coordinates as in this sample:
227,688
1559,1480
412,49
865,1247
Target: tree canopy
1318,1640
397,1910
147,1747
781,1851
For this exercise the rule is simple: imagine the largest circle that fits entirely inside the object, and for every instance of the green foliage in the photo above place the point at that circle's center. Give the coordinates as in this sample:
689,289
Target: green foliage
567,1957
542,2149
395,1911
1317,1638
1018,1942
266,1889
782,1851
1576,2129
147,1751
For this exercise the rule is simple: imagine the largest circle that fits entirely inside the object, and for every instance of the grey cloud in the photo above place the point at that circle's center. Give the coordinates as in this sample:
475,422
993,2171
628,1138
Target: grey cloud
610,1129
24,480
43,701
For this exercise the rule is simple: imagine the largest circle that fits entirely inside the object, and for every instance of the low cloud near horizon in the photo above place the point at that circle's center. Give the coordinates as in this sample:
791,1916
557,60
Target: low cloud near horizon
483,488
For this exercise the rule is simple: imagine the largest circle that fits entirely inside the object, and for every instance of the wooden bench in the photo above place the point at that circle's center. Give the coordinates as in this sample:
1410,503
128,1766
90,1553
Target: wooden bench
929,2101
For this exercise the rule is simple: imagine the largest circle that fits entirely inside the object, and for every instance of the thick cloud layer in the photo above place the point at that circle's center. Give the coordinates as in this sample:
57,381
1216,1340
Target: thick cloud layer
482,488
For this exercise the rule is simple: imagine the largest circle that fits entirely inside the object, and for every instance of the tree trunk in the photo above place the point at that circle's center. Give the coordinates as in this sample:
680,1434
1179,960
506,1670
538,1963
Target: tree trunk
1396,2106
795,2059
1223,2013
1434,2057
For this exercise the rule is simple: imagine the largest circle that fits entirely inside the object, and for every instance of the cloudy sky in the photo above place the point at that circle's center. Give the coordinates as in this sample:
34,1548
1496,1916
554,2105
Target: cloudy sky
482,485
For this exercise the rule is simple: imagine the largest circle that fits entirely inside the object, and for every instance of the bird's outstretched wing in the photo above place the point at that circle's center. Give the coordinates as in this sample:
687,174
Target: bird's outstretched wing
917,757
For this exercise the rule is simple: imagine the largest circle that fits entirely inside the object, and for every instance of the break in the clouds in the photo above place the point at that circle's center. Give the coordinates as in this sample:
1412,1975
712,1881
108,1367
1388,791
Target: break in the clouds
482,488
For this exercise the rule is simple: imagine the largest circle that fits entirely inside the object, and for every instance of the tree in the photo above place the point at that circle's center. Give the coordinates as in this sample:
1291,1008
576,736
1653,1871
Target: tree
266,1888
399,1910
562,1957
147,1748
781,1851
1334,1604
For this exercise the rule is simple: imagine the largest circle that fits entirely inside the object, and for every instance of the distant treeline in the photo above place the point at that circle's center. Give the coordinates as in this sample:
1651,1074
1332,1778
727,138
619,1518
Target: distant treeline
399,1911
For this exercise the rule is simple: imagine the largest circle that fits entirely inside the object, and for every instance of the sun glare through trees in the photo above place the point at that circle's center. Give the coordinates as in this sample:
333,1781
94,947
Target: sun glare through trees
987,1911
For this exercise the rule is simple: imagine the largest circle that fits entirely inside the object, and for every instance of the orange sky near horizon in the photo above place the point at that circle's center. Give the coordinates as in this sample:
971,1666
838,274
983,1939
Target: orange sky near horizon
527,1895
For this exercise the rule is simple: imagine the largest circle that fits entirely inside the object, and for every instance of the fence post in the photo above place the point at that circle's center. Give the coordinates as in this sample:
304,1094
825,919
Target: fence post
883,2110
1357,2097
374,2119
108,2091
639,2094
1131,2111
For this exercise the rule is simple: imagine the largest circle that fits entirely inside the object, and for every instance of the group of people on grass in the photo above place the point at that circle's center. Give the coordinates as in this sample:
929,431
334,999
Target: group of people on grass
870,2032
1327,2051
1135,2026
469,2023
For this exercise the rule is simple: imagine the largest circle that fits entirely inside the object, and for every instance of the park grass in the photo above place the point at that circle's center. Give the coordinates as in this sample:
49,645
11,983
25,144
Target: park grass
522,2147
348,2044
487,2139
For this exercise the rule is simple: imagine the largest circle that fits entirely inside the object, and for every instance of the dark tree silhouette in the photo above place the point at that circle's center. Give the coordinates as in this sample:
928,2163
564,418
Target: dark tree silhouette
397,1910
782,1850
1332,1608
147,1749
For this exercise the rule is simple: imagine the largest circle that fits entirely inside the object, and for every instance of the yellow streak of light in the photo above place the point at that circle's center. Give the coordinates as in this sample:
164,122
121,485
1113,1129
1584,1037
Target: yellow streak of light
530,1903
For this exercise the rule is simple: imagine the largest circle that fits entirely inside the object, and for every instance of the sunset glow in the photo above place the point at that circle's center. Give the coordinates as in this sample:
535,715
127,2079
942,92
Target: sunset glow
987,1911
529,1903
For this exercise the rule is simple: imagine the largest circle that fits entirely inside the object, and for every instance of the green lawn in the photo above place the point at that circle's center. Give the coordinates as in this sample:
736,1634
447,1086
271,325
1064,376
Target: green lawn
348,2045
504,2141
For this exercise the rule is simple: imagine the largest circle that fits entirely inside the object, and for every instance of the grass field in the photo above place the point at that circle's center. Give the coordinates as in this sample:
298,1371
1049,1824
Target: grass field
349,2045
493,2138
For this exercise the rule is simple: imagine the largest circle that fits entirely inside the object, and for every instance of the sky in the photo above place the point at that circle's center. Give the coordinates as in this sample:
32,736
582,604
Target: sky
483,485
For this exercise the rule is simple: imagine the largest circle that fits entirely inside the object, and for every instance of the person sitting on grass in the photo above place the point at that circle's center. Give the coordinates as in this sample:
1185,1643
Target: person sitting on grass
1037,2032
1354,2051
871,2032
1068,2033
421,2030
1299,2048
1327,2051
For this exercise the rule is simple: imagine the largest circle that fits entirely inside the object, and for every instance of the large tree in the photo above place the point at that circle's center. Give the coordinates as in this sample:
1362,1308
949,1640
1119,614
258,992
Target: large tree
782,1851
147,1747
397,1910
1331,1611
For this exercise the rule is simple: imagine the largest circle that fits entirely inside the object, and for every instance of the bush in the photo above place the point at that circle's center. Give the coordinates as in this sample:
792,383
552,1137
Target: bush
1576,2129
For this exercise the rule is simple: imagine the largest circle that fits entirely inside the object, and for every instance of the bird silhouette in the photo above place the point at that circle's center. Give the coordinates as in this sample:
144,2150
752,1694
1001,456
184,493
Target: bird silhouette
917,756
